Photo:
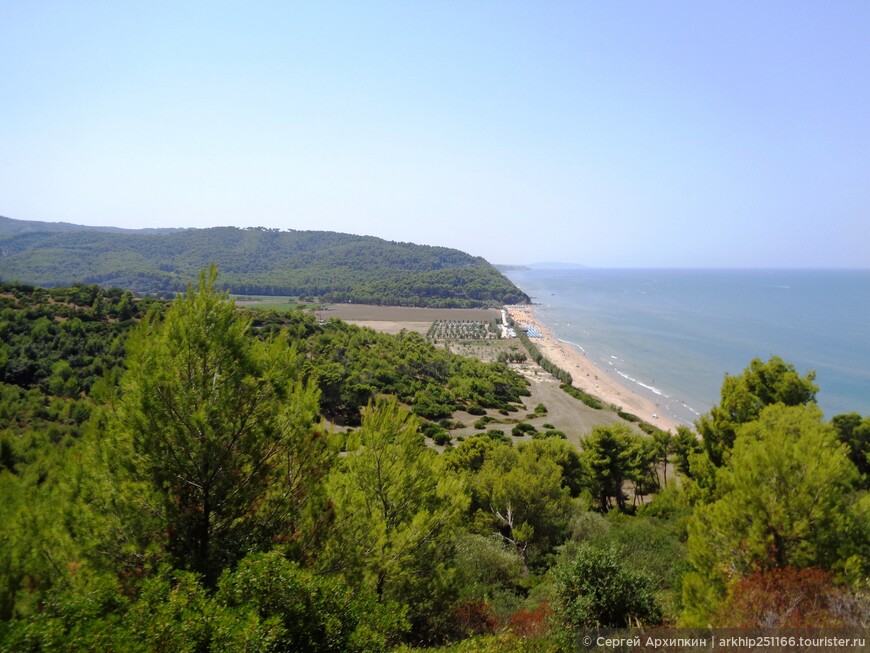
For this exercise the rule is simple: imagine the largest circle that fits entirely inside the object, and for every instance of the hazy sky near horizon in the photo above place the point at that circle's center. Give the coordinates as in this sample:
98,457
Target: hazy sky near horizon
604,133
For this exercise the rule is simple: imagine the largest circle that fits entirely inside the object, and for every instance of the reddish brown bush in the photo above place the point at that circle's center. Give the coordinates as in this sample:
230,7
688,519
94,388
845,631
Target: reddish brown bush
474,618
791,598
530,623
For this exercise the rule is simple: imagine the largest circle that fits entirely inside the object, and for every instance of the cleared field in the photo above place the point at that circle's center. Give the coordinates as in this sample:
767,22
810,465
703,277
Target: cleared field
392,319
266,302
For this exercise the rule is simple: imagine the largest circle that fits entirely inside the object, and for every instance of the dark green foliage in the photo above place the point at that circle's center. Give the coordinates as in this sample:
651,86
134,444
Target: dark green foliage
562,375
300,611
313,264
615,455
596,589
649,429
511,357
549,433
785,497
266,604
854,432
496,434
743,398
64,339
645,543
351,364
221,427
400,543
586,398
523,428
685,445
442,438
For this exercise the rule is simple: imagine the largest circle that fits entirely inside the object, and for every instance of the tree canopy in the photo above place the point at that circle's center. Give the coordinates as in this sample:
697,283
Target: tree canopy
331,267
193,476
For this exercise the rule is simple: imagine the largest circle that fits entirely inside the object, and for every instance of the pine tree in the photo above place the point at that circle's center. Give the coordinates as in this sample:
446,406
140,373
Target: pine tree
221,429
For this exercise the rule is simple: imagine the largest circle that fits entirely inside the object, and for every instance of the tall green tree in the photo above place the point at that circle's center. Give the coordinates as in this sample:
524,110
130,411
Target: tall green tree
611,453
745,395
785,498
396,510
221,428
522,495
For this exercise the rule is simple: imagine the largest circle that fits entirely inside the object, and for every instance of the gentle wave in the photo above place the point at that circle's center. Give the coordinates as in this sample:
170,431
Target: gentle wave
573,344
651,388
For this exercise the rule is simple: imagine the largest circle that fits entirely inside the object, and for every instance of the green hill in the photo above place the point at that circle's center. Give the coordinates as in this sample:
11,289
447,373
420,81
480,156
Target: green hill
319,265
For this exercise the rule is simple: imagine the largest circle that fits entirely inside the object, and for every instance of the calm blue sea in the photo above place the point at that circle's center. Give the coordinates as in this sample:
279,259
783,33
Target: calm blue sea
673,334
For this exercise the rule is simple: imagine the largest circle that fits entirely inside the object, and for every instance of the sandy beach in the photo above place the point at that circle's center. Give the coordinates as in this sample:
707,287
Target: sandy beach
586,375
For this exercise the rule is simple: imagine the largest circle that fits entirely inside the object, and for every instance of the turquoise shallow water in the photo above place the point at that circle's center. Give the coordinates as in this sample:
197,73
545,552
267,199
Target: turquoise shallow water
673,334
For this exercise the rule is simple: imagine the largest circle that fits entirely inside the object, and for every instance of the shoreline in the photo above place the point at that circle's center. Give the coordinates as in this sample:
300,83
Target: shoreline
587,375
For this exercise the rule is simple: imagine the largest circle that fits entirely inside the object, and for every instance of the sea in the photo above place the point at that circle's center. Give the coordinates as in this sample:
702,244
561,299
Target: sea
673,335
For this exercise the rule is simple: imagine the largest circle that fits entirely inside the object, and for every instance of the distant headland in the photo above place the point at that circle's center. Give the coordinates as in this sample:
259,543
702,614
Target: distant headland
314,265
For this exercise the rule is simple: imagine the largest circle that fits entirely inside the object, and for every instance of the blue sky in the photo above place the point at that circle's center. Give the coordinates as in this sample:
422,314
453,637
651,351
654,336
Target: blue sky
605,133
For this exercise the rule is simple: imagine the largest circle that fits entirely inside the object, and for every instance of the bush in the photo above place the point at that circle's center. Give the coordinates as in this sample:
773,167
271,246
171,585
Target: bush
496,434
585,397
483,421
528,623
549,433
442,438
474,618
792,598
432,431
596,590
649,429
522,429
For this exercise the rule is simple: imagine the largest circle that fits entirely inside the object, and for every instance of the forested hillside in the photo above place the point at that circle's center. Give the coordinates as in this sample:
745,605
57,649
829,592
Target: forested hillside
190,476
319,265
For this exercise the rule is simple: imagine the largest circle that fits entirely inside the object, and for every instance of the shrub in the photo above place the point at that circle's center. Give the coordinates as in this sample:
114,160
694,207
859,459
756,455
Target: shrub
496,434
442,438
549,433
474,618
522,429
792,598
527,622
483,421
585,397
595,589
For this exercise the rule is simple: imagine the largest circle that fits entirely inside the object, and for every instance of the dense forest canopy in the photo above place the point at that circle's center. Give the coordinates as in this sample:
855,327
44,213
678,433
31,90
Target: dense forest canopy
187,475
321,265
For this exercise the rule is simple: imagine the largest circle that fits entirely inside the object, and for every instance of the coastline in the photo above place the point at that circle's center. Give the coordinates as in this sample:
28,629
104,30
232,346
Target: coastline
588,376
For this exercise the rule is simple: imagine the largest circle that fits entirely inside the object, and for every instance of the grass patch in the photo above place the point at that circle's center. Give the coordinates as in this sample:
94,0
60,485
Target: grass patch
268,302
